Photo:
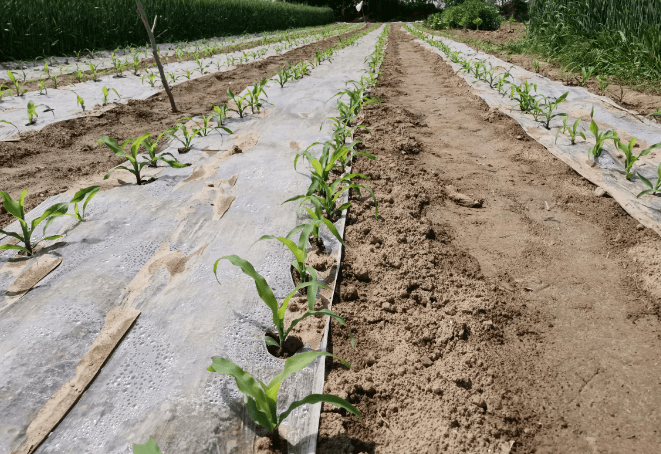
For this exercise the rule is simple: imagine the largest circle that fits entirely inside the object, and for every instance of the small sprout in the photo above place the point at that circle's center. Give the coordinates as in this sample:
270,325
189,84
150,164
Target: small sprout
573,130
548,107
239,102
173,77
105,95
18,86
630,159
526,99
84,194
151,79
152,148
261,399
32,112
17,209
118,149
586,73
221,114
600,138
95,76
283,75
42,88
653,188
603,84
189,74
187,141
80,101
256,102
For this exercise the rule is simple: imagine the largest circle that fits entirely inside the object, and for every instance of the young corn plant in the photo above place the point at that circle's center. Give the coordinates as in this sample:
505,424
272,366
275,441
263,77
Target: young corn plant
524,96
548,107
630,158
118,149
80,101
603,84
207,127
256,102
585,75
571,130
240,102
278,310
221,114
152,148
32,112
105,94
261,399
654,189
600,138
17,209
18,86
283,76
12,124
95,74
85,194
151,79
42,88
187,140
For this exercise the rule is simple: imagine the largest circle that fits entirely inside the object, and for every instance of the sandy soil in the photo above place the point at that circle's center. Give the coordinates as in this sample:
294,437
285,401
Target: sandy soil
50,161
644,101
521,326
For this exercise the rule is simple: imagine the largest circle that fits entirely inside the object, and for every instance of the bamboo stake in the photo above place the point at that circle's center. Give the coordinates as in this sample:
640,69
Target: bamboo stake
150,32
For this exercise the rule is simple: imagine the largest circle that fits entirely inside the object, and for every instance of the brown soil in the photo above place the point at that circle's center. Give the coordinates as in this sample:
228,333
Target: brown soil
54,159
520,326
644,100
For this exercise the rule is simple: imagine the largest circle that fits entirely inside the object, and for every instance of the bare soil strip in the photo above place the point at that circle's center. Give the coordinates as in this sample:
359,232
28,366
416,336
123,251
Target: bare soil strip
494,301
49,161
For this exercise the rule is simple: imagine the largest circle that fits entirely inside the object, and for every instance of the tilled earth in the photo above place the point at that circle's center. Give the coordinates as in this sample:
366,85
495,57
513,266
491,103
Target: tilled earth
50,161
494,301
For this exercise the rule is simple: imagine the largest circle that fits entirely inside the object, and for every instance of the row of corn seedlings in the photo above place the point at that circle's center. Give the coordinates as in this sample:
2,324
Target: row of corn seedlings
132,60
290,73
321,204
542,109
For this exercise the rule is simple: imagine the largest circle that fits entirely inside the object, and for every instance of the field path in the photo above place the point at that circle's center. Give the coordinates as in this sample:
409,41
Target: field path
532,319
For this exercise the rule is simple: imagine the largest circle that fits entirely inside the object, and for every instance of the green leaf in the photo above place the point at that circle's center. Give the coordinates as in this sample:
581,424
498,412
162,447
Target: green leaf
14,207
148,448
13,246
316,398
59,209
647,182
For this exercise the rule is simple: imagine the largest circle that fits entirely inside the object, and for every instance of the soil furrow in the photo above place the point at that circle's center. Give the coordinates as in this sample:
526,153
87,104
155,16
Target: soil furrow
50,161
493,301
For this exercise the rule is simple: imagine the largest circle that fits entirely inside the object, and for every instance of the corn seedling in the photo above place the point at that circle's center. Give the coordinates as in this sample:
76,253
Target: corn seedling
535,65
630,159
261,399
603,84
240,102
187,140
32,113
524,96
201,66
221,114
152,148
278,310
207,127
189,74
80,101
105,94
17,209
18,86
600,138
42,88
256,102
548,107
173,77
85,194
623,93
585,75
95,75
79,75
118,149
653,188
301,69
151,79
283,76
573,130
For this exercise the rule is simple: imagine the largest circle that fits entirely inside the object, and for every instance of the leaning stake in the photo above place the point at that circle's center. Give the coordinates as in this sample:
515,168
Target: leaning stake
150,32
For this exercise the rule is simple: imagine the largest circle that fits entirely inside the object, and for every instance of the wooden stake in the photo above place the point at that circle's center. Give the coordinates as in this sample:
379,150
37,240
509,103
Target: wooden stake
150,32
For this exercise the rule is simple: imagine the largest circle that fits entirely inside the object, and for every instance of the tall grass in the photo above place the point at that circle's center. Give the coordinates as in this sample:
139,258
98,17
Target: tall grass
616,37
38,28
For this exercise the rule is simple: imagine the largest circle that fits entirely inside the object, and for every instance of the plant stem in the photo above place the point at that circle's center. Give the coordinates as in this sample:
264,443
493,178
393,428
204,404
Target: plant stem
150,32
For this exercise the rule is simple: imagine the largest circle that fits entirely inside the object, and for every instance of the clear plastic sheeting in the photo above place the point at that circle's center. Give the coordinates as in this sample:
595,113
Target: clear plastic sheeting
609,169
64,99
152,248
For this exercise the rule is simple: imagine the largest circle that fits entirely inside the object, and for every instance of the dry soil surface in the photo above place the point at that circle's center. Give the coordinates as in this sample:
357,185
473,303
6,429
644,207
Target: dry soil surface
498,304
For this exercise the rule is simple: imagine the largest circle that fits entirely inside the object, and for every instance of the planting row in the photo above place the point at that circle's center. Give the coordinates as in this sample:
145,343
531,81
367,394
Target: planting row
54,72
612,140
75,100
131,237
329,180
